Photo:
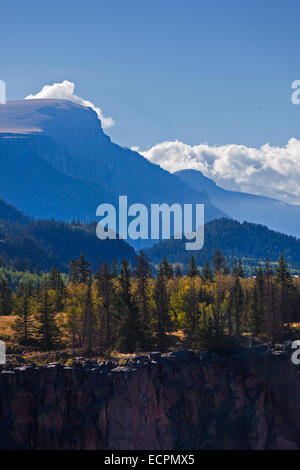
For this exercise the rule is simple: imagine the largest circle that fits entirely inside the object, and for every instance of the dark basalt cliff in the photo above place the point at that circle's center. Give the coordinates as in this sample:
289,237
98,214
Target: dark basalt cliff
246,400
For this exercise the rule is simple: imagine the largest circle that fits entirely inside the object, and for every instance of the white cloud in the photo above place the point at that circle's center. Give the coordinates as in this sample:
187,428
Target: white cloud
65,91
269,170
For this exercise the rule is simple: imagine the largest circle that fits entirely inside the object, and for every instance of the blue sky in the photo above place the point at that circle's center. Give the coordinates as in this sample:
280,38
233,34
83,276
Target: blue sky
216,71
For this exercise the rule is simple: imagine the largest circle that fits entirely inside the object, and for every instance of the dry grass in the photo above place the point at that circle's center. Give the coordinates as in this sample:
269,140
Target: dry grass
6,332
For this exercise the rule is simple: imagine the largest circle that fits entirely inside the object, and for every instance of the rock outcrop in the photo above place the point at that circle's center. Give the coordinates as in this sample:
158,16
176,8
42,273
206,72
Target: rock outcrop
246,400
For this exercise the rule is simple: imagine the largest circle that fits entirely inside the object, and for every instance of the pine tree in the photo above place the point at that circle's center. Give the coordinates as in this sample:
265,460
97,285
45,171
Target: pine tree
73,324
209,332
162,307
238,268
235,269
143,273
84,271
272,325
53,278
207,274
47,330
38,288
218,262
88,328
166,268
237,305
284,282
192,269
73,272
130,330
257,304
24,324
241,272
6,303
56,283
254,313
114,268
105,291
192,311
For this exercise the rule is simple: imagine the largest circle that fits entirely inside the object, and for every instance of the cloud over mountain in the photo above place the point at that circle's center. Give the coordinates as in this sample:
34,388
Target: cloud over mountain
65,91
269,170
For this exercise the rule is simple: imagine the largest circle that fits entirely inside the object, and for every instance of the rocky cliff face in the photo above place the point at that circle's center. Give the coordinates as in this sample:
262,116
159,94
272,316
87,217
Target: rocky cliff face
247,400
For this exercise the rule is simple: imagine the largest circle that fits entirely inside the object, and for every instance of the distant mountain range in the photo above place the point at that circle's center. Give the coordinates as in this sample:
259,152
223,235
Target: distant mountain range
56,162
276,215
251,242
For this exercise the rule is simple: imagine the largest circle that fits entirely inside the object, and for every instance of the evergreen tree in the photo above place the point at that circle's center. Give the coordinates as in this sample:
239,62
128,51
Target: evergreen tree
38,288
207,274
166,268
53,278
257,304
192,269
235,269
84,270
284,282
237,305
218,261
73,271
162,307
114,268
241,272
254,313
209,332
24,324
6,303
56,283
73,324
192,312
88,328
130,331
47,330
105,291
142,273
272,323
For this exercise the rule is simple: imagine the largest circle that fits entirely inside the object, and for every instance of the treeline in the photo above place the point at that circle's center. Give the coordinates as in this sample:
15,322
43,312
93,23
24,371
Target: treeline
252,242
131,310
40,244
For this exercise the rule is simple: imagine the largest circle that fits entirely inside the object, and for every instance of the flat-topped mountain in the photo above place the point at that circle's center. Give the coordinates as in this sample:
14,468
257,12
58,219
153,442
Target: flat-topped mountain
58,162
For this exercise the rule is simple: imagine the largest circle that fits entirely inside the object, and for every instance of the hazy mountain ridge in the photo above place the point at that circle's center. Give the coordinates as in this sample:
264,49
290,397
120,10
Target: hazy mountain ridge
8,213
275,214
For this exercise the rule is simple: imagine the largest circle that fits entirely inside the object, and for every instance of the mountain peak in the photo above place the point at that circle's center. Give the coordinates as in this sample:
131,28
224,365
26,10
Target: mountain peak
197,178
35,115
